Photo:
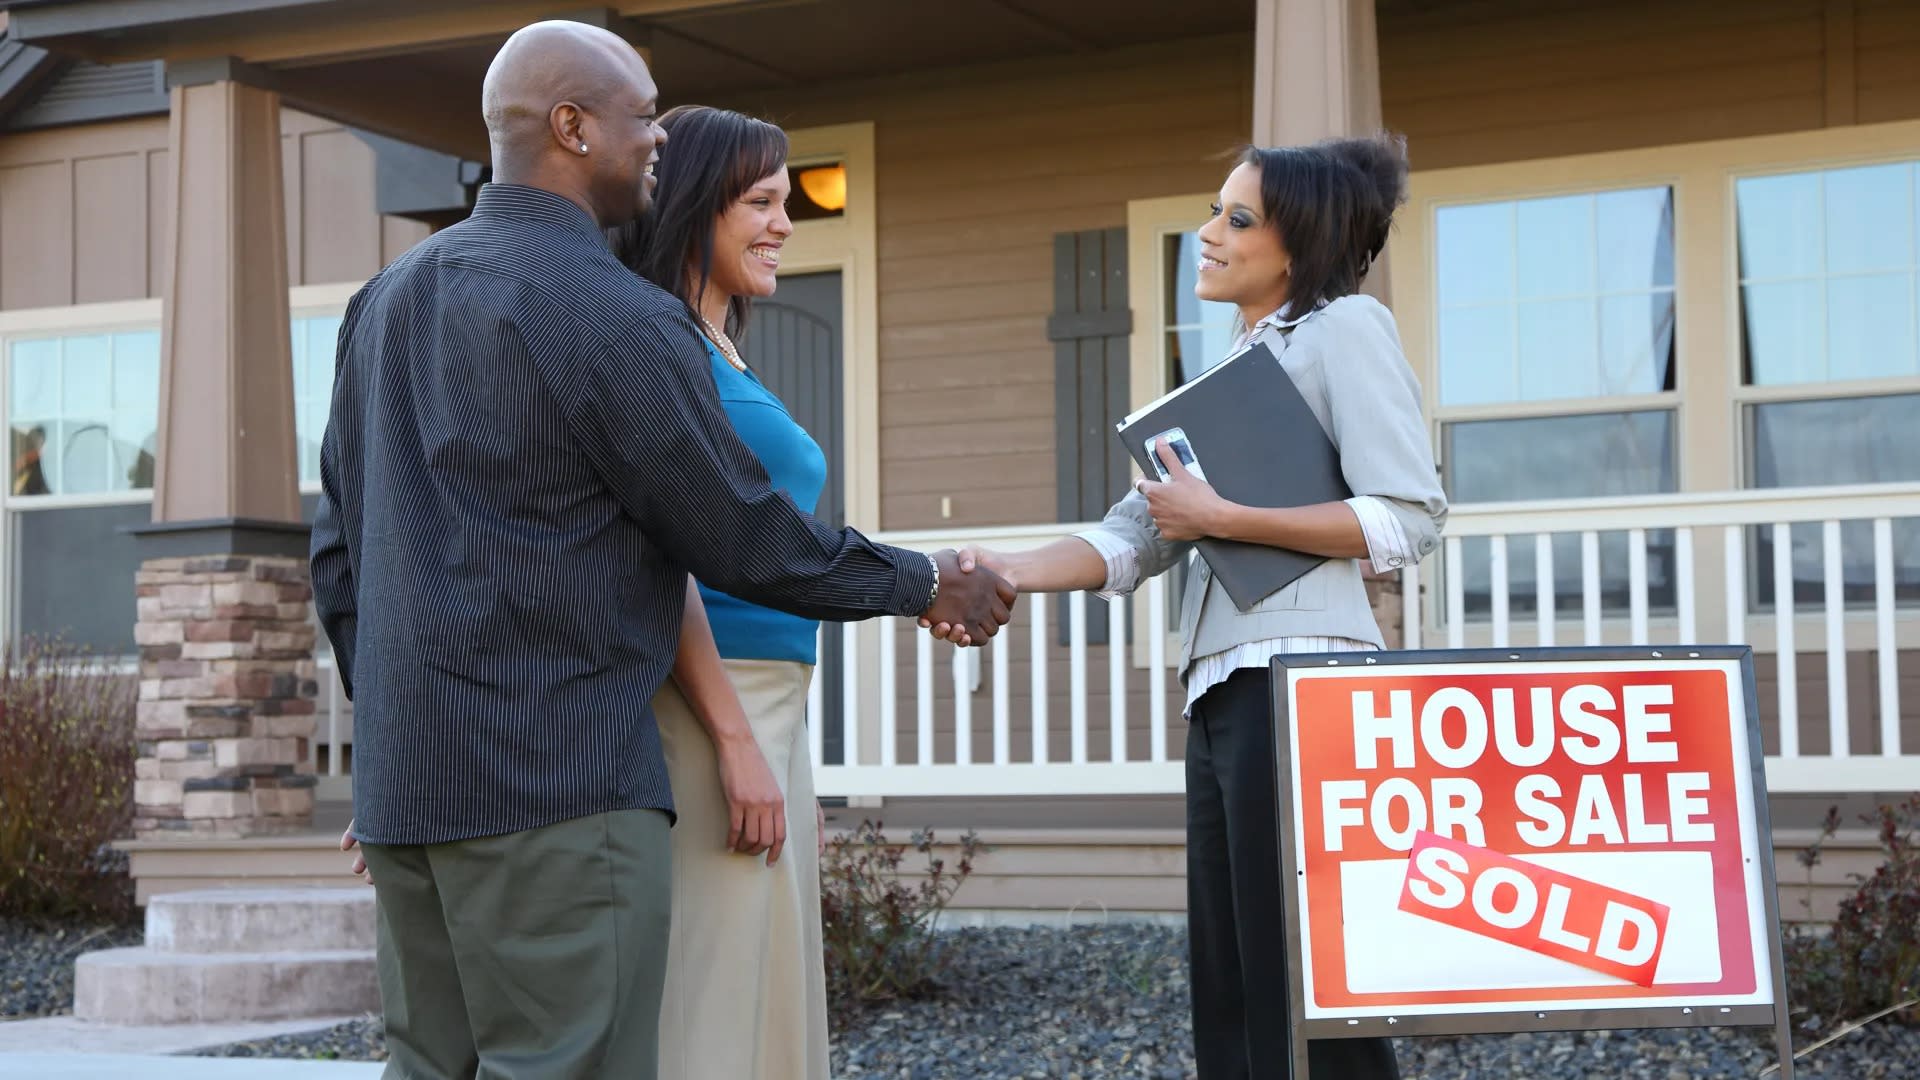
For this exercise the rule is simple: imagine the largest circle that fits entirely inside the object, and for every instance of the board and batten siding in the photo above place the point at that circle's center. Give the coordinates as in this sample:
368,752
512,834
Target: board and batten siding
83,211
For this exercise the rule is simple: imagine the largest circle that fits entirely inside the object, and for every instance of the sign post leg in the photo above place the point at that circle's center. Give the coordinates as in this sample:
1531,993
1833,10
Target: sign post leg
1783,1040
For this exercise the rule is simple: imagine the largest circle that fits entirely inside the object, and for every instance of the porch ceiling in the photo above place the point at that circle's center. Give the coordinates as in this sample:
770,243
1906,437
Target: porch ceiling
413,70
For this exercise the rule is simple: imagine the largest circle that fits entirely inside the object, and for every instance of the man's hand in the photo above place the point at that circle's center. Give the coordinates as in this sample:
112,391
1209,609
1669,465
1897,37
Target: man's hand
756,811
975,605
359,864
969,557
1185,507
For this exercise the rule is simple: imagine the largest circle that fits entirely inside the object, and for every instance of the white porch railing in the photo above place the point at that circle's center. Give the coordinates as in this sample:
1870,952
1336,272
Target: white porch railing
1044,709
1846,741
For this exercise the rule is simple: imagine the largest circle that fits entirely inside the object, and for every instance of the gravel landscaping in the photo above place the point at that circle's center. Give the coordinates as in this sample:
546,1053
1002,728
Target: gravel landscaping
1112,1002
36,962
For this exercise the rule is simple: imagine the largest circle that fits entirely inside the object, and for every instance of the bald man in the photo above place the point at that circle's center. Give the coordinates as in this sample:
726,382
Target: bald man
524,458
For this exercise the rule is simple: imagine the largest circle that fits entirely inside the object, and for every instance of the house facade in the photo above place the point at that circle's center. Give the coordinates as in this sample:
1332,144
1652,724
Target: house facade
1659,277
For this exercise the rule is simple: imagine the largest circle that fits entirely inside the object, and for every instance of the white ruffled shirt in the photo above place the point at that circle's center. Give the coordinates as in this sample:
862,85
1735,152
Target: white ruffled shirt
1387,549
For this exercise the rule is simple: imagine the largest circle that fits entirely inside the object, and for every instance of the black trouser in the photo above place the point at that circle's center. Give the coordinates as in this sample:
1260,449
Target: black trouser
1236,934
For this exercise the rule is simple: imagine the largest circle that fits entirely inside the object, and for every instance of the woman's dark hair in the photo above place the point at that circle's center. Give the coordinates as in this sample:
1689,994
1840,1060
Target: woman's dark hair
1332,204
712,157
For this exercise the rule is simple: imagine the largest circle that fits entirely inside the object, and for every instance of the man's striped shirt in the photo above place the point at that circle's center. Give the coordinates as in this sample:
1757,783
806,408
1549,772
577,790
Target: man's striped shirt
525,457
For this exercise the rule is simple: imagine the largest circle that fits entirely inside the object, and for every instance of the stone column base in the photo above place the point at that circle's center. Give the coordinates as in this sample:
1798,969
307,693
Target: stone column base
227,688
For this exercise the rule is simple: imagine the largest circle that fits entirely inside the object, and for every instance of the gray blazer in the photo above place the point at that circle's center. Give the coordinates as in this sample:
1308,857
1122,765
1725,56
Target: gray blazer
1346,359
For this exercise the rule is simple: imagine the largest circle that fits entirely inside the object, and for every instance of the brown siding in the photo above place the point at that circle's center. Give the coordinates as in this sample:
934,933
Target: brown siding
1507,80
977,171
1810,697
83,211
1887,37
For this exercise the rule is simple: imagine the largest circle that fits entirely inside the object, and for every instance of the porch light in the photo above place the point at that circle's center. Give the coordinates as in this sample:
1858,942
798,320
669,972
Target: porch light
826,185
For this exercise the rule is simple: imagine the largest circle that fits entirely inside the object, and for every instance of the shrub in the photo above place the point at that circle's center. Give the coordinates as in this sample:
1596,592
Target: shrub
66,783
877,928
1869,959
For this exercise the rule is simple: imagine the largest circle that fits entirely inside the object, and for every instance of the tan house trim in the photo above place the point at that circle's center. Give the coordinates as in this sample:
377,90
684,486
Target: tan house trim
1149,223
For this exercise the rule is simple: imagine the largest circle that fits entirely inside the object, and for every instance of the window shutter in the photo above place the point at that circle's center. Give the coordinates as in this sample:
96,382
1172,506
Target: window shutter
1089,330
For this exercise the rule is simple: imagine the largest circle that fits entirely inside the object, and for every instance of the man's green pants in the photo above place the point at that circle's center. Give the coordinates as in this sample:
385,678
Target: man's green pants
537,955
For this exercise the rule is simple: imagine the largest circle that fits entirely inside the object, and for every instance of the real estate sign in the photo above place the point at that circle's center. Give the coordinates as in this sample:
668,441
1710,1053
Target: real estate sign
1525,839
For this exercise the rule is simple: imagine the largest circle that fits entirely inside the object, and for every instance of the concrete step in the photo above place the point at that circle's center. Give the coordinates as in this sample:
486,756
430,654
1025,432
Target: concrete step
142,985
261,920
156,1067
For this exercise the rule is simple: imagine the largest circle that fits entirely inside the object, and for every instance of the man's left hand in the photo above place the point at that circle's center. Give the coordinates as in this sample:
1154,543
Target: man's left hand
359,865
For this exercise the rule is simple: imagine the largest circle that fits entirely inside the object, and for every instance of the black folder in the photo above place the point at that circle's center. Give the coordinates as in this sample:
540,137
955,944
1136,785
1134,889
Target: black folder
1259,444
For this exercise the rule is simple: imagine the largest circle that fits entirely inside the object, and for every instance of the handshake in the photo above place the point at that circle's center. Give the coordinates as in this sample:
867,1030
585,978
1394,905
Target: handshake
975,598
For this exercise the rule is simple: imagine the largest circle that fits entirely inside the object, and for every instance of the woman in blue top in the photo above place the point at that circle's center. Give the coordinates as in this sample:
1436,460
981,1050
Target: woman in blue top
746,988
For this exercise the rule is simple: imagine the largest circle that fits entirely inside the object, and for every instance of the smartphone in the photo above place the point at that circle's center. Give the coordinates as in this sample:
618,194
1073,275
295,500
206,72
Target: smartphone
1176,439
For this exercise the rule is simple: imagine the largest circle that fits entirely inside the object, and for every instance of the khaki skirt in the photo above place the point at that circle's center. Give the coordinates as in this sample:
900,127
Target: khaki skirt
746,995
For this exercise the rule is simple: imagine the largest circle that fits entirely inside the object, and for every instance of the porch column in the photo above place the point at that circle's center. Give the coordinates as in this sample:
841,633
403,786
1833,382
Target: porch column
227,680
1316,74
1316,70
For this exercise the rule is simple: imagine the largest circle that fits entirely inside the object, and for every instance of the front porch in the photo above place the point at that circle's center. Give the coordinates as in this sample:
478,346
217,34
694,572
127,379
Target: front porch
1066,752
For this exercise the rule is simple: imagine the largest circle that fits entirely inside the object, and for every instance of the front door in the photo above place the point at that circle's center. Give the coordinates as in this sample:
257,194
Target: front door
793,344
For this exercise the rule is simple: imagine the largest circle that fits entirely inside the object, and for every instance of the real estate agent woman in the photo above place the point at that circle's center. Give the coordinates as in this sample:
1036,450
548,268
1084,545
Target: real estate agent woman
1292,237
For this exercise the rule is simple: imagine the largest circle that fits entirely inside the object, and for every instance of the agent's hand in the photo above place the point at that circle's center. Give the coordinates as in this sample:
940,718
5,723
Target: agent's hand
1185,507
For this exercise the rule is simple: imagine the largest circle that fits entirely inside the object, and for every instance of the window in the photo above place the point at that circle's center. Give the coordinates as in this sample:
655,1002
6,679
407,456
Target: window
1554,322
1199,332
1828,305
314,341
1556,299
1827,275
83,411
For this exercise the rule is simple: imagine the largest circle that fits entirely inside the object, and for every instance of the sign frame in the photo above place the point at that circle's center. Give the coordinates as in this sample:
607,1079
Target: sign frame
1301,1029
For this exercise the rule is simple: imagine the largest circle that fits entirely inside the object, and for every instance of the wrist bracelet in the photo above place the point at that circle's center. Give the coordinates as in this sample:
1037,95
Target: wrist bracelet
934,593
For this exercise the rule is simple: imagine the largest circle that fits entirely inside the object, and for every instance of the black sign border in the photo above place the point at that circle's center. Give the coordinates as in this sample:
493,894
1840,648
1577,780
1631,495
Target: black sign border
1513,1022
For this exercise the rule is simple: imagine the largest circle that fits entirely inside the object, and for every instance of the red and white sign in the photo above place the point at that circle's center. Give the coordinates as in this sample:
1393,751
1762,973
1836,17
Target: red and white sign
1534,835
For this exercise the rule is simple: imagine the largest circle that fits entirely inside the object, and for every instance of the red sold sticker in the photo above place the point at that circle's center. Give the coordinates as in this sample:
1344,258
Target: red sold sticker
1555,914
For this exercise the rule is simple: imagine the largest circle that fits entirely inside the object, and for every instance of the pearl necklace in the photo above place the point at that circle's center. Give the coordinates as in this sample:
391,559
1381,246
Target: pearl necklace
724,344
